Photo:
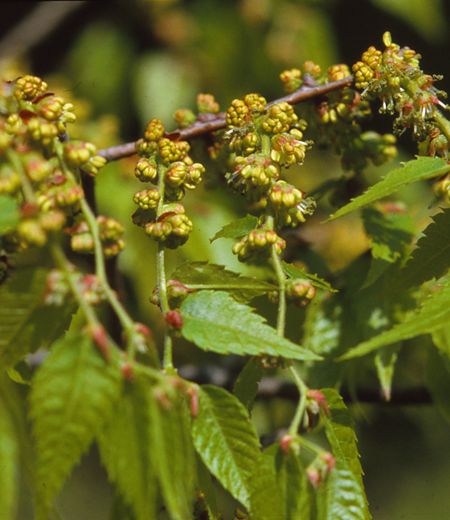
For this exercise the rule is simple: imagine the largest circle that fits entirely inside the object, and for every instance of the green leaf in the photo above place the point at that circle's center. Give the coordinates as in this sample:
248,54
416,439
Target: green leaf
246,386
432,315
9,464
25,323
226,440
207,489
385,360
431,258
172,454
202,275
438,373
345,498
124,446
72,396
296,272
9,214
238,228
266,499
214,321
418,169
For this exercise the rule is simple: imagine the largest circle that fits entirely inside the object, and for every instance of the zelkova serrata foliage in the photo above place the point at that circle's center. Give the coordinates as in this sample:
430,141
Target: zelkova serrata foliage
160,436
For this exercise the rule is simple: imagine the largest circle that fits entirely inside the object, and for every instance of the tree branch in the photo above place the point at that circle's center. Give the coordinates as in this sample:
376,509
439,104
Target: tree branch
207,123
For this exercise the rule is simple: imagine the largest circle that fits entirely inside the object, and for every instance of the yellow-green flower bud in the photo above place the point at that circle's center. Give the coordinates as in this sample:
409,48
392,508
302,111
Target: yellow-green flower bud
206,104
154,131
292,80
147,199
146,170
28,87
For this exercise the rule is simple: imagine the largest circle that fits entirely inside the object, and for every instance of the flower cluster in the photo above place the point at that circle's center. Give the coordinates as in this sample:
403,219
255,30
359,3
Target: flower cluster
37,162
394,76
110,234
57,288
167,165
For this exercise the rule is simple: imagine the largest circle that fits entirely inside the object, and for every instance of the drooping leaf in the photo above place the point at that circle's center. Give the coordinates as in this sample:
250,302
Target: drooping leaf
26,324
390,234
297,272
9,464
345,497
421,168
124,446
246,386
238,228
207,489
385,360
266,499
202,275
226,440
214,321
72,396
432,315
438,372
9,214
172,454
431,258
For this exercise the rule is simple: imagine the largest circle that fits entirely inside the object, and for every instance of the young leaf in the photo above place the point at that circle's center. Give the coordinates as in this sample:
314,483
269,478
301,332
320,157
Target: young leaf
25,323
124,446
266,499
72,396
202,275
226,440
214,321
238,228
385,360
296,272
9,214
421,168
431,259
246,386
172,454
345,497
434,314
9,464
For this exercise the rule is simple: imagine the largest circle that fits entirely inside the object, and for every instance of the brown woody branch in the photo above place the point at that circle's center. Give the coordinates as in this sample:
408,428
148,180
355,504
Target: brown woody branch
207,123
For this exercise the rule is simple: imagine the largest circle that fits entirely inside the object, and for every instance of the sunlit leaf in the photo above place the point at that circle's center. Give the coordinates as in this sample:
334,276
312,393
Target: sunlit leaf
72,396
432,315
26,324
226,440
297,272
214,321
418,169
203,276
238,228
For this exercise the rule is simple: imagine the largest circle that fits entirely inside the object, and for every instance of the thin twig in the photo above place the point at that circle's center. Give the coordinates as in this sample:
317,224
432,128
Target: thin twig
212,123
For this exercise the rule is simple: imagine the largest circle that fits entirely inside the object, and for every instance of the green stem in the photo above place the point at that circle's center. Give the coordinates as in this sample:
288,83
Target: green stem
27,188
443,123
302,388
311,446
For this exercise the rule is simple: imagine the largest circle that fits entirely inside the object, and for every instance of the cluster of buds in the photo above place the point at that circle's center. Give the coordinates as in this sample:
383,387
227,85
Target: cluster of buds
320,468
163,159
176,293
394,76
289,204
300,292
110,233
258,244
57,288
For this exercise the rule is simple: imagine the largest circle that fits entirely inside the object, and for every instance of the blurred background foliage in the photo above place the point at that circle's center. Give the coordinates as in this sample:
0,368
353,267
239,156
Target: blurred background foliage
124,62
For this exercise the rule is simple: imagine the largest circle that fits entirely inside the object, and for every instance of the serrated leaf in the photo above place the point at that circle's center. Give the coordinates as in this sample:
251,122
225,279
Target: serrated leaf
431,258
214,321
172,454
345,498
421,168
238,228
204,276
9,464
296,272
432,315
385,360
226,440
72,396
124,446
266,499
246,386
26,324
9,214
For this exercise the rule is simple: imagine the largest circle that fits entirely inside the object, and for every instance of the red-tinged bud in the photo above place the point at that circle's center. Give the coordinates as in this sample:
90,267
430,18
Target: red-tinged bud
314,477
160,395
192,392
29,210
317,399
127,370
174,319
329,459
285,442
98,334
